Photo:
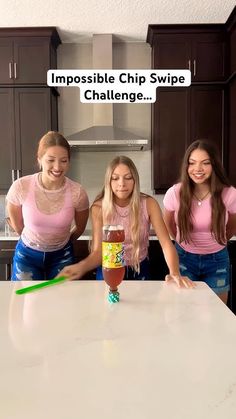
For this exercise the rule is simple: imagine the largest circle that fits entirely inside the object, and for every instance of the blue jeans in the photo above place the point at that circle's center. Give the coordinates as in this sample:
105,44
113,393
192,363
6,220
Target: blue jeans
36,265
130,272
212,268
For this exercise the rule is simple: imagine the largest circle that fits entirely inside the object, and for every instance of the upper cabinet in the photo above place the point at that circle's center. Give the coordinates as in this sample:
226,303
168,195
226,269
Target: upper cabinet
27,54
207,108
198,48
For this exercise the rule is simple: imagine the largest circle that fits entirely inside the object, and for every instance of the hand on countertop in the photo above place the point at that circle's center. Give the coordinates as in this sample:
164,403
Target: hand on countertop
181,281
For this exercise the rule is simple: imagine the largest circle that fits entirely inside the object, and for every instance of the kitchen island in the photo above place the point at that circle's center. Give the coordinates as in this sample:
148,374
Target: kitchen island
66,353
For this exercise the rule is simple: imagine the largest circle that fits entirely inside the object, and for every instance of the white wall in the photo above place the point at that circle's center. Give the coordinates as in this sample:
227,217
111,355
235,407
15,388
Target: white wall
89,167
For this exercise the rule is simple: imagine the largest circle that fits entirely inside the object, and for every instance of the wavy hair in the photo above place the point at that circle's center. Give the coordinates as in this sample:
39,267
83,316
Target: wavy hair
107,197
218,181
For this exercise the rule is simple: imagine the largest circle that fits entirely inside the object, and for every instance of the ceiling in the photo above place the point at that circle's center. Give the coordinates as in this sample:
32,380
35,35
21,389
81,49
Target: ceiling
77,20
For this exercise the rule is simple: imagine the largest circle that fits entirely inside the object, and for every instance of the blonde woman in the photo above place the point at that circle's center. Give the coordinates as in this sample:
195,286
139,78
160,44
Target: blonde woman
121,202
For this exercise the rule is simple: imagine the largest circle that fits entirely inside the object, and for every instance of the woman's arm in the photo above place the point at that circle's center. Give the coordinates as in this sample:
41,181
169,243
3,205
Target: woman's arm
94,259
81,218
231,226
16,217
169,218
168,248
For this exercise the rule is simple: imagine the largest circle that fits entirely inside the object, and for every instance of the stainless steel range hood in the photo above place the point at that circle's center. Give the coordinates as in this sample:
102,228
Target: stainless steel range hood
103,135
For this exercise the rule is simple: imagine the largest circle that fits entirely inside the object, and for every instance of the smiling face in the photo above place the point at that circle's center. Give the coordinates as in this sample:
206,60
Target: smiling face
199,166
54,163
122,184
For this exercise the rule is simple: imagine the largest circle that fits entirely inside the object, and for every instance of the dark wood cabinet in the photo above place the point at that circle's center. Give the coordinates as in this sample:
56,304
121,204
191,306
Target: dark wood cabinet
206,109
231,88
25,115
179,117
28,107
198,48
27,54
7,249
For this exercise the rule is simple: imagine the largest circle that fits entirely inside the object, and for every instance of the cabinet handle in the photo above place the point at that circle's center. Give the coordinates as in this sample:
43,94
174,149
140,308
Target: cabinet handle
15,70
7,250
194,68
13,175
10,70
18,174
189,65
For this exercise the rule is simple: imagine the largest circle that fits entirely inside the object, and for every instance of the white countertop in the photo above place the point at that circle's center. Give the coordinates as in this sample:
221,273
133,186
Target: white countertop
161,352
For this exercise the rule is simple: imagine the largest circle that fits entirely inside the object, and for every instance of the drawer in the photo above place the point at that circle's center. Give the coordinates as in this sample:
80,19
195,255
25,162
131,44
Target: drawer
7,249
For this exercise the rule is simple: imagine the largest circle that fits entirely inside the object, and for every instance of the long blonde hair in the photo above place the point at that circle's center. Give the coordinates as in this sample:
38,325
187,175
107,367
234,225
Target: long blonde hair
218,181
107,198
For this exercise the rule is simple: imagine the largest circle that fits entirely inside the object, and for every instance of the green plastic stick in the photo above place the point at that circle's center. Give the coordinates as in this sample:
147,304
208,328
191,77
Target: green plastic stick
41,285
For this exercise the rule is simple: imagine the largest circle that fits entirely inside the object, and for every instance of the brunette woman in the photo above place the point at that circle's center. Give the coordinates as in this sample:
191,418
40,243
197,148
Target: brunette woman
200,214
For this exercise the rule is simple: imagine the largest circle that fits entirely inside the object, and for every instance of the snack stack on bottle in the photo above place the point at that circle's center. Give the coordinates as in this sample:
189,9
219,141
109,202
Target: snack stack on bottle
113,259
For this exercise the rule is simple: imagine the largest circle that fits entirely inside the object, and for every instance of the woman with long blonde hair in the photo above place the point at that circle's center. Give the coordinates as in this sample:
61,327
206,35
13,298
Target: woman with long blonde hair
200,214
121,202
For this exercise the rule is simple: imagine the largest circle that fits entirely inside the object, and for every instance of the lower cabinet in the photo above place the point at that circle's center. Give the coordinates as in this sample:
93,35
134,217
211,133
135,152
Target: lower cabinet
7,249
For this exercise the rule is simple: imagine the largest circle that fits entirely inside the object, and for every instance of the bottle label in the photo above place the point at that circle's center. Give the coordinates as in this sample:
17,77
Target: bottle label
112,255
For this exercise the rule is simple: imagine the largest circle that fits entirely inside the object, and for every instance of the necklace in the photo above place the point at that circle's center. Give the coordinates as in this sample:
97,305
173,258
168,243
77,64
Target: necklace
47,192
199,200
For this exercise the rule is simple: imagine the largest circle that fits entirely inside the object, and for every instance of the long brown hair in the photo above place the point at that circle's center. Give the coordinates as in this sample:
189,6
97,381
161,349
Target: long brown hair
218,181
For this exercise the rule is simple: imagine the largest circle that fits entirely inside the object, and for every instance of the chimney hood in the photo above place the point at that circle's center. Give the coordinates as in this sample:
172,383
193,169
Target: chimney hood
103,135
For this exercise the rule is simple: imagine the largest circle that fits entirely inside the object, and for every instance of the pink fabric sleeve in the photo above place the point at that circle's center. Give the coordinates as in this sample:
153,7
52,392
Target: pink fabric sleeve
15,194
79,197
170,198
229,198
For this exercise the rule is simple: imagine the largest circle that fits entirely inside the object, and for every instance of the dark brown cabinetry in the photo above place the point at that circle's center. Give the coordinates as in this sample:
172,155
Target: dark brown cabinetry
205,109
28,108
26,54
201,50
231,27
180,115
25,115
7,249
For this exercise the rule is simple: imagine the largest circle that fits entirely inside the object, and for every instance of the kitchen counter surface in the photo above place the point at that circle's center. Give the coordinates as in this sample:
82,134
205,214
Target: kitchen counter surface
67,353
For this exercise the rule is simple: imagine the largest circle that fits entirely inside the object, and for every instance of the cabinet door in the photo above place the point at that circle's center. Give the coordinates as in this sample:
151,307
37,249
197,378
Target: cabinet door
7,141
170,133
232,132
207,115
26,114
208,57
6,60
31,60
202,53
181,116
33,118
171,52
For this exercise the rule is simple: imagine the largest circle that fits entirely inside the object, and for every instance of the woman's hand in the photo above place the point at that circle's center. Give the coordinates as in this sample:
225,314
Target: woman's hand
181,281
71,272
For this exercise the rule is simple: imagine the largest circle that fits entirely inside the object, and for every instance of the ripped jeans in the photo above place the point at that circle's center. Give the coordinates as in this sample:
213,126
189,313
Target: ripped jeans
211,268
30,264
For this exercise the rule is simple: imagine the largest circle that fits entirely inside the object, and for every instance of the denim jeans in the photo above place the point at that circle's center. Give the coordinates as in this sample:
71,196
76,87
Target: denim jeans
212,268
30,264
130,273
